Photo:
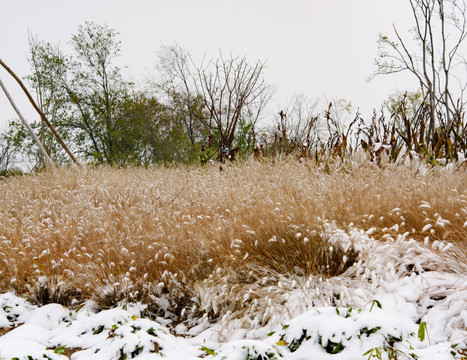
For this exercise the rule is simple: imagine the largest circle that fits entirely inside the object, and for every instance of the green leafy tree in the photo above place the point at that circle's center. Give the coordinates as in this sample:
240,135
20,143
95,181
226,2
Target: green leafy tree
83,95
96,91
48,67
158,134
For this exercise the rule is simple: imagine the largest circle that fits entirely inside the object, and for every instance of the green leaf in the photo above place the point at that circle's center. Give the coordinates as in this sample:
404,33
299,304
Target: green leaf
332,347
98,330
60,350
208,350
271,333
422,331
378,304
338,348
368,332
284,326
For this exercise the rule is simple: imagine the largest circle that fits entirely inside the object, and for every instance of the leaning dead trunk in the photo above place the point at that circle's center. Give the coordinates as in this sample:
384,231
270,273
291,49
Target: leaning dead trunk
28,127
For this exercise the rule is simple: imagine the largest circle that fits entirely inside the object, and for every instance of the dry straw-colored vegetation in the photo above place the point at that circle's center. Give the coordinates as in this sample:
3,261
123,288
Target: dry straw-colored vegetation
159,235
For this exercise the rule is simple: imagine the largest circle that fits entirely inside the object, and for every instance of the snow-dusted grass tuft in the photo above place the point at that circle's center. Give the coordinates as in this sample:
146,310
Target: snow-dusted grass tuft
199,245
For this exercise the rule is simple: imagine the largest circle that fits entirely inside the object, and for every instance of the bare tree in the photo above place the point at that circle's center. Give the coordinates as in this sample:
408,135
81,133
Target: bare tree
177,81
440,28
231,88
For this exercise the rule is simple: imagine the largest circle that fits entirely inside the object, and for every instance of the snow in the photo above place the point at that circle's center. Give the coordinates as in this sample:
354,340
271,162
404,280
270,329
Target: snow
384,302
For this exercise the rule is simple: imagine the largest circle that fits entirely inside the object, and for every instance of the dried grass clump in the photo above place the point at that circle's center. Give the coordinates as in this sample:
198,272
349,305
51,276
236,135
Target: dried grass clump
159,235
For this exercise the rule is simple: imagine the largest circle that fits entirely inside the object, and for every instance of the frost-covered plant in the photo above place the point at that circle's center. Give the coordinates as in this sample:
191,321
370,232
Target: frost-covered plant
336,329
198,244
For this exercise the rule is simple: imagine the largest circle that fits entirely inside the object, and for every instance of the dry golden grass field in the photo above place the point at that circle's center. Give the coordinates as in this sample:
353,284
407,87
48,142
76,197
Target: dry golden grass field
158,235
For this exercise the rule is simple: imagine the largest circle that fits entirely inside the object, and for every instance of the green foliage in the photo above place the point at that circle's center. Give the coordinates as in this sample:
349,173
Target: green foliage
376,352
206,154
423,331
368,332
96,94
333,347
158,135
409,100
295,343
392,347
347,313
245,137
375,302
208,351
98,113
98,330
60,350
23,145
10,172
389,348
269,355
81,94
8,155
391,353
49,67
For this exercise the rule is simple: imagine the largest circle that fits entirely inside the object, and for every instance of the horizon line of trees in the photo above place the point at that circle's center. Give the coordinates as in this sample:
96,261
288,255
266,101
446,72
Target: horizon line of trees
196,113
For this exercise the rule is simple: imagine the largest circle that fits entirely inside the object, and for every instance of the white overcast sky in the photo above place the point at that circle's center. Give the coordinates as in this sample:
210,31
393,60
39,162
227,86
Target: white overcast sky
315,47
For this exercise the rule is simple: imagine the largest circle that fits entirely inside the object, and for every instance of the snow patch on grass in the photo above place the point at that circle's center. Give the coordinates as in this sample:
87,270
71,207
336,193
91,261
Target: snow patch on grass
400,298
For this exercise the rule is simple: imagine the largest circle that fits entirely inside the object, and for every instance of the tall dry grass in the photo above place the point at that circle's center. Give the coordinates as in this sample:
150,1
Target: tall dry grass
156,234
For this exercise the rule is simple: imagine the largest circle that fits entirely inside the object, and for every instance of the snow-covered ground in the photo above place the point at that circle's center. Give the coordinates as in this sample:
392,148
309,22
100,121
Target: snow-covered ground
402,300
